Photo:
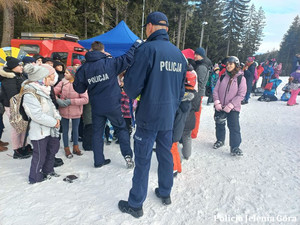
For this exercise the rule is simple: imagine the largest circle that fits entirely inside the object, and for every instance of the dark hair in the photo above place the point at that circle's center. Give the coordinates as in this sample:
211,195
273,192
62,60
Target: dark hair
235,70
97,46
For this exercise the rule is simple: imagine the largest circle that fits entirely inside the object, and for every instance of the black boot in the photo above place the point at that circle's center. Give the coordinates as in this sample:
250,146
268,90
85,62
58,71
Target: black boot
125,208
58,162
165,200
21,154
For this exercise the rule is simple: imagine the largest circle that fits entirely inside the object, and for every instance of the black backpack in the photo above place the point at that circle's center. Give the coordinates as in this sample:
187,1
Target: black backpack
239,79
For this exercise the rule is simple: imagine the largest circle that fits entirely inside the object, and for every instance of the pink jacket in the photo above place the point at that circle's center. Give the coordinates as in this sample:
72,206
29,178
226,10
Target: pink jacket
229,93
65,90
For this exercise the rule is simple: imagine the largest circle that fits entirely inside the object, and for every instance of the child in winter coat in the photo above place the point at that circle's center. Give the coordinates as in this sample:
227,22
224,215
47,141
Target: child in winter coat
295,87
70,107
228,95
45,122
212,83
181,116
12,77
287,92
125,107
270,90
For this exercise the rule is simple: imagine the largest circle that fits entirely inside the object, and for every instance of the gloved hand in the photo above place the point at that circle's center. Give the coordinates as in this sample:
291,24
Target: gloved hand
228,108
63,102
218,105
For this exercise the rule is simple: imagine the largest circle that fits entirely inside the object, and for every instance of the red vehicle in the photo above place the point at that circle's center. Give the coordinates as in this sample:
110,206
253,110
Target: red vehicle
48,44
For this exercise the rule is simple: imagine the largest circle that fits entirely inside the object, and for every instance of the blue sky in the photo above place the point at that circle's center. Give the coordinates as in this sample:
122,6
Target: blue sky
279,16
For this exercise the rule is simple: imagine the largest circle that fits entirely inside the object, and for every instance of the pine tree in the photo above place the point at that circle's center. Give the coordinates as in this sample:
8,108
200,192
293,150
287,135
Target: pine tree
209,11
235,15
290,46
252,33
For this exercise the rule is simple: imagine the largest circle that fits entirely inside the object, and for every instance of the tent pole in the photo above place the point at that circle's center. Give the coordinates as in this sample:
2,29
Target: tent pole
143,20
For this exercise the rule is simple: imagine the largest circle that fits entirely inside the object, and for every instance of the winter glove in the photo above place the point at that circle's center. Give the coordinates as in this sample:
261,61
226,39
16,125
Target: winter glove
63,102
228,108
218,105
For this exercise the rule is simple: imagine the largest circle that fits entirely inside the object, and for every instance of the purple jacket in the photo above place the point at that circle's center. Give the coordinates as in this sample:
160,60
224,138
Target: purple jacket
229,93
296,76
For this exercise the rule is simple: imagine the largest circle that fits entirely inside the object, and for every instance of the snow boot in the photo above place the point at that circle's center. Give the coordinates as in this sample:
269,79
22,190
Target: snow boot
165,200
3,148
218,144
58,162
21,154
68,153
106,161
236,151
125,208
76,150
129,162
4,144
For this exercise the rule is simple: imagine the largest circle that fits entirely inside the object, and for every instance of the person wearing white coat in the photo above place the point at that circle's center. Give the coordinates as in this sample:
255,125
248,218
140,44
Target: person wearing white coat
44,125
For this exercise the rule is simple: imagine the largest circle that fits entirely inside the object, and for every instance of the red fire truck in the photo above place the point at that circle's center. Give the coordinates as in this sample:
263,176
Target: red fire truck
49,44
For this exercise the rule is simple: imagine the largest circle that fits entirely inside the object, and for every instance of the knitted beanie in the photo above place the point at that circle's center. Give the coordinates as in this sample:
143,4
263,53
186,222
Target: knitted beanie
36,73
72,70
12,62
76,61
200,51
49,68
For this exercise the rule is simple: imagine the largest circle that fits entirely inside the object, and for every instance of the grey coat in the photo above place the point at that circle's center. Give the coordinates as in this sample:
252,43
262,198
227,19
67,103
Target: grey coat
43,114
202,70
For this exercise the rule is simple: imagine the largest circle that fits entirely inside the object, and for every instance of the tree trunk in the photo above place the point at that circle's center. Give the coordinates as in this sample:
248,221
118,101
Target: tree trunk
184,29
228,44
117,14
179,30
125,13
8,25
85,21
102,8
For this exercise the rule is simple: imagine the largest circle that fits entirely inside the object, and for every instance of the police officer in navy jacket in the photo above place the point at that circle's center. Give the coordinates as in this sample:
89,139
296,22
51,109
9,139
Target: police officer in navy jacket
157,76
98,75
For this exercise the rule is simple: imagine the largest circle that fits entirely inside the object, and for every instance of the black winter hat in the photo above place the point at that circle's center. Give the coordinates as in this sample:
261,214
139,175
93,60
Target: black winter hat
37,56
12,62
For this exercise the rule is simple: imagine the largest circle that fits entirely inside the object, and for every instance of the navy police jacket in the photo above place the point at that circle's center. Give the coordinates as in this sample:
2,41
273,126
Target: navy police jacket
157,75
98,75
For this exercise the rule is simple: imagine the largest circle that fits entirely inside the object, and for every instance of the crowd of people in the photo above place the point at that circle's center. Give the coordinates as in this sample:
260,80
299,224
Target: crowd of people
153,87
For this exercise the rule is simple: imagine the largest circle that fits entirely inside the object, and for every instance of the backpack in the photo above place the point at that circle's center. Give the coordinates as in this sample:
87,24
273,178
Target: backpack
239,79
18,118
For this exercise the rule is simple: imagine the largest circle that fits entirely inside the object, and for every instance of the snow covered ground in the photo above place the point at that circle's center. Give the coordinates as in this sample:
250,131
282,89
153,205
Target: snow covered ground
262,187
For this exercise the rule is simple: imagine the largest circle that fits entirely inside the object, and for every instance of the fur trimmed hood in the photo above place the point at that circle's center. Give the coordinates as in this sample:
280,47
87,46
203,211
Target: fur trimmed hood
5,74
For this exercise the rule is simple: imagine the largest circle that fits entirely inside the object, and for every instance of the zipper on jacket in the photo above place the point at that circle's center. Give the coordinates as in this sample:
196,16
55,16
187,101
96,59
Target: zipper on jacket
227,88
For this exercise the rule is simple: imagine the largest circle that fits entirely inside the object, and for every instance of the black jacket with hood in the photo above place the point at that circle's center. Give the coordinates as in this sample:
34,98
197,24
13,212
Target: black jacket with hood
10,84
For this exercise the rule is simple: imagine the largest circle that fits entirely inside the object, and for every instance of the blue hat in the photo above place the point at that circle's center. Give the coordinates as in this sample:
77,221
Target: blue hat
200,51
28,59
156,17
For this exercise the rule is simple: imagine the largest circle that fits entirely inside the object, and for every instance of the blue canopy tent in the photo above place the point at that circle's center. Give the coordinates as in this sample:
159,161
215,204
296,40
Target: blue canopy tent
117,41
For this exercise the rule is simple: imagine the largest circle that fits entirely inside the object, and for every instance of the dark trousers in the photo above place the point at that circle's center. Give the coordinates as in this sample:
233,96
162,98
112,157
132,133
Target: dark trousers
87,137
1,125
118,122
233,125
143,144
42,161
249,87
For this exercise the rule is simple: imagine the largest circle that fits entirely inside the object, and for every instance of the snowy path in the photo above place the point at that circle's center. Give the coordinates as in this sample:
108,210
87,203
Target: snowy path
214,188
